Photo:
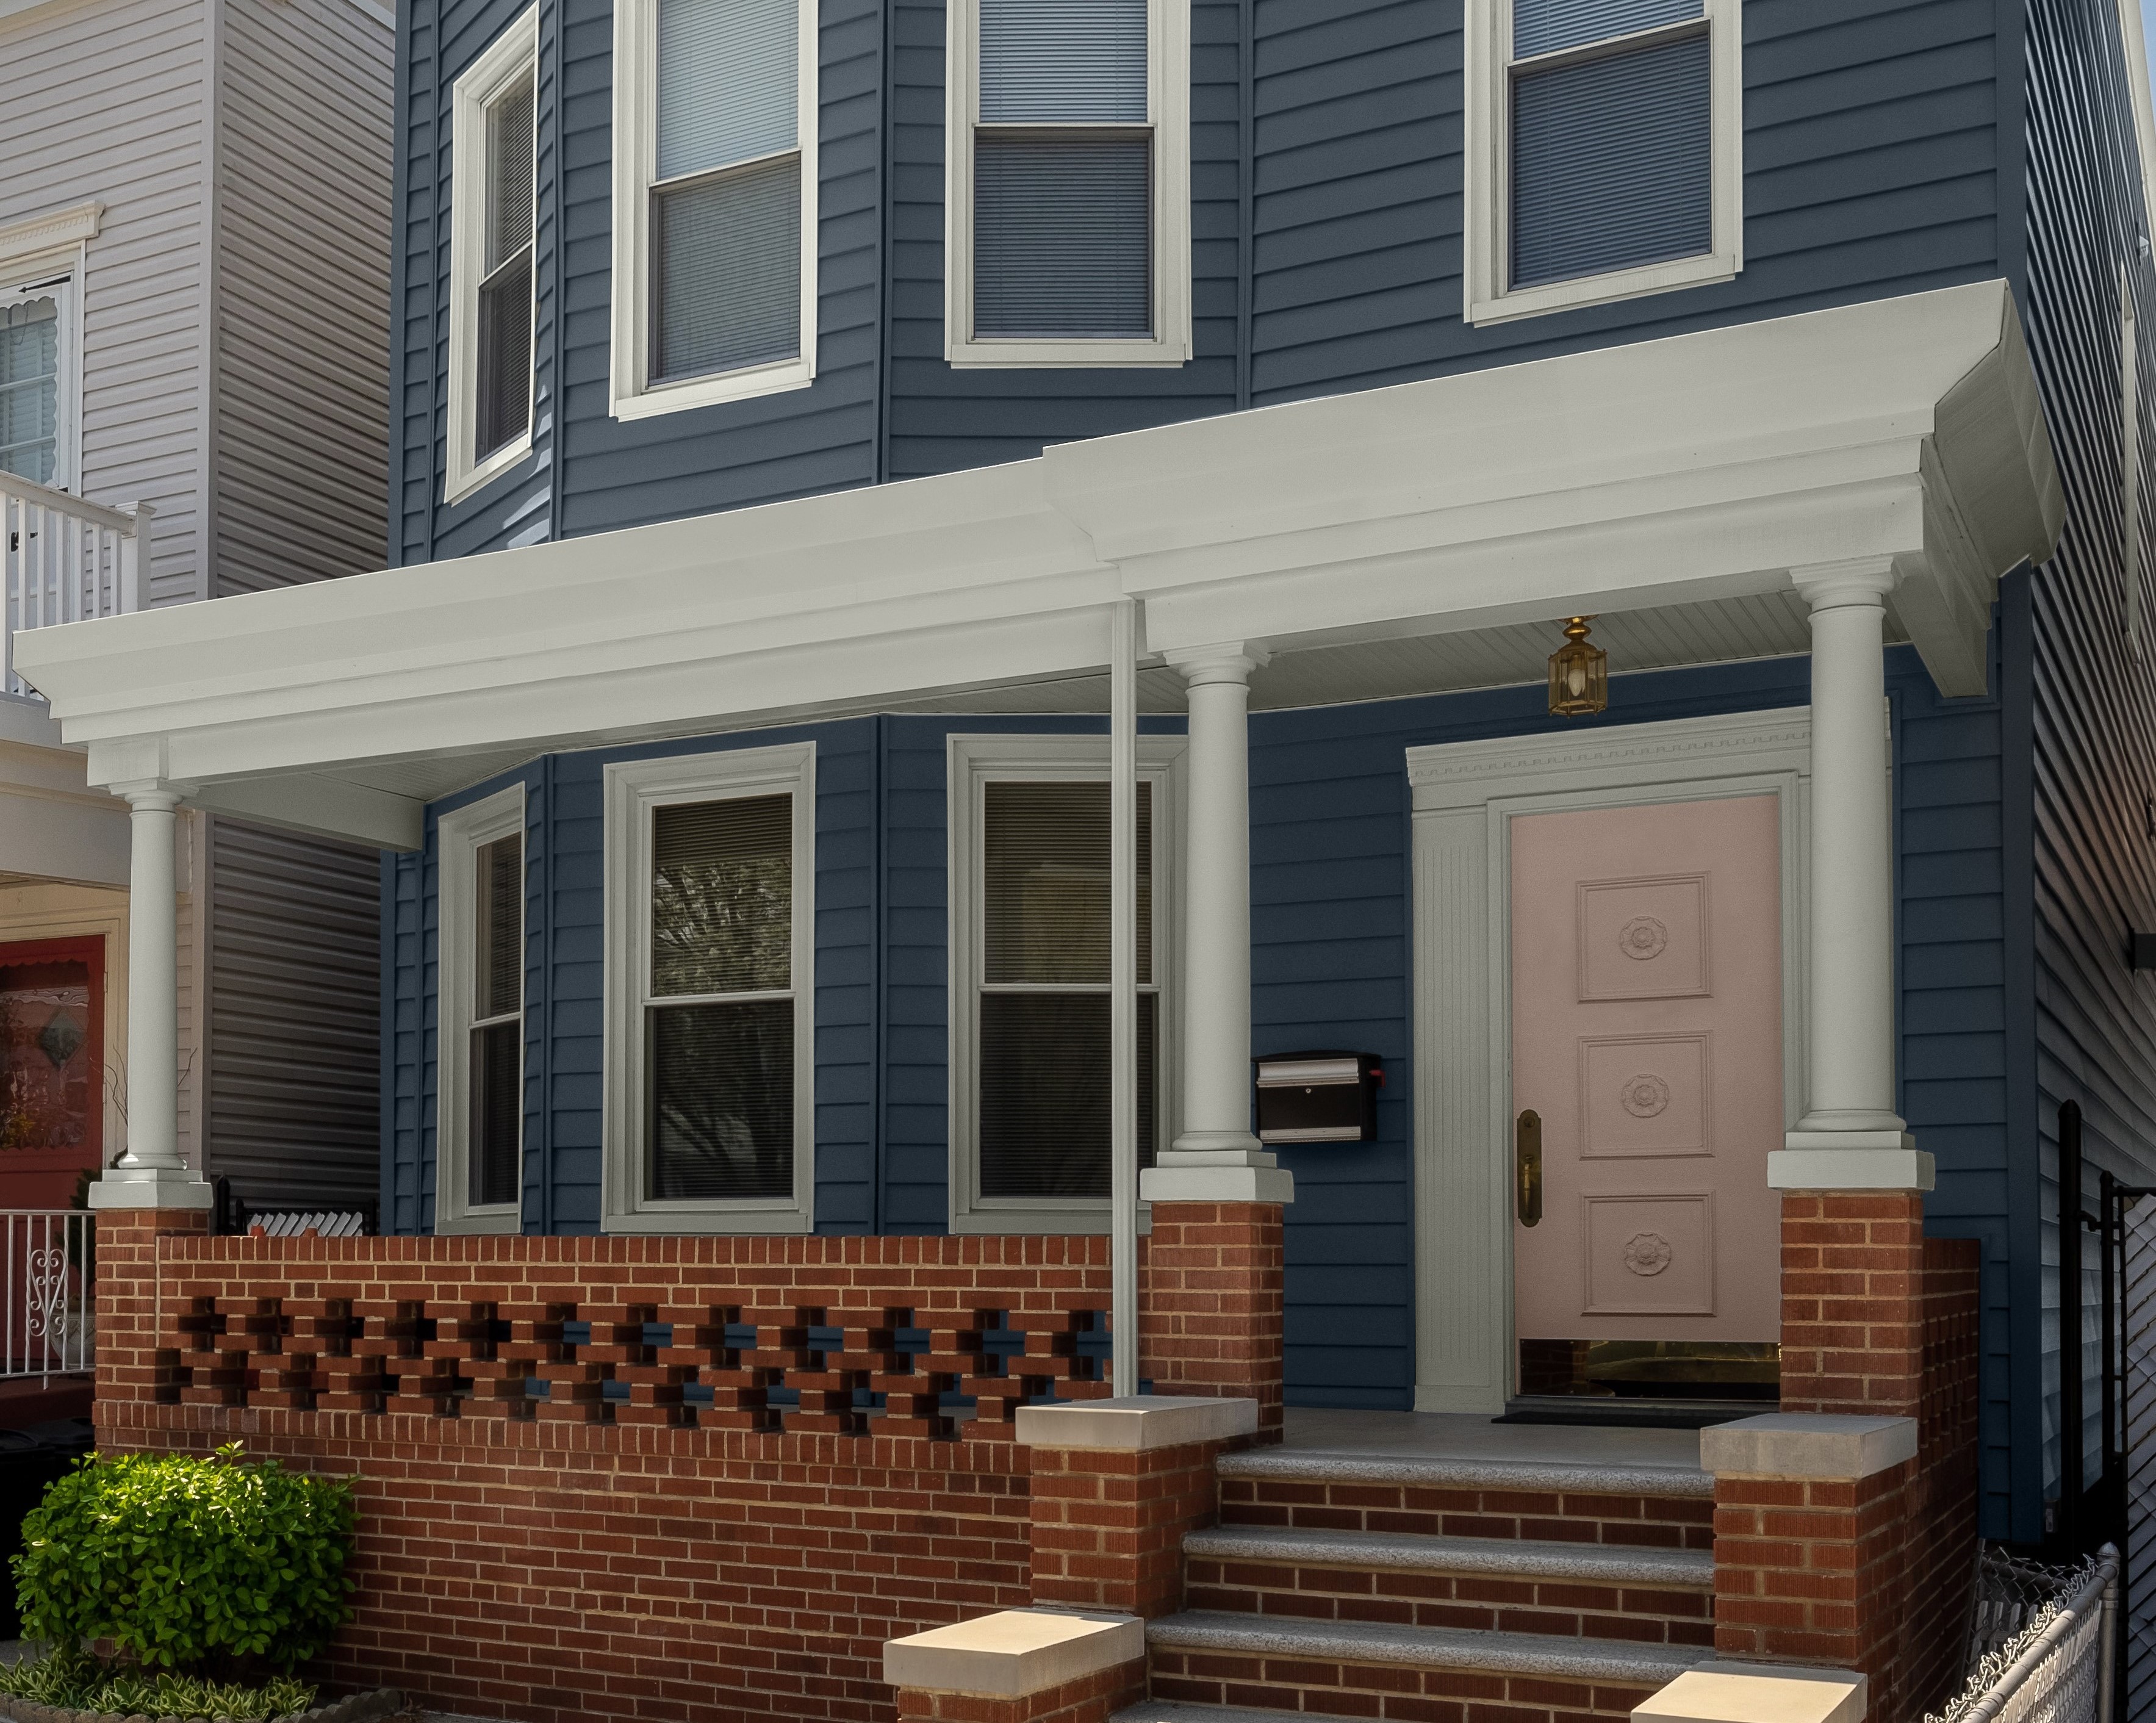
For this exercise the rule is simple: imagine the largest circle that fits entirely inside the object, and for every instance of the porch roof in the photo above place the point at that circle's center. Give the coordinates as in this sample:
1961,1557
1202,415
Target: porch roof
1426,522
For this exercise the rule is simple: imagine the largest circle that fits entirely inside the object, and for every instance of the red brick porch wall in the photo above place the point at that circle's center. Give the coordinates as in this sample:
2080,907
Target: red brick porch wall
575,1559
1877,1320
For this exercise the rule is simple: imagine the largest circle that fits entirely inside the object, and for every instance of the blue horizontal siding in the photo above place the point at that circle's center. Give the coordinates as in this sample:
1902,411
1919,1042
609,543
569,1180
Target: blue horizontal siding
1330,967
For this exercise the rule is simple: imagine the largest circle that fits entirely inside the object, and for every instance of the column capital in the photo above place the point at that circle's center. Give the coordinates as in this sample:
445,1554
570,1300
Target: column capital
151,796
1859,581
1227,661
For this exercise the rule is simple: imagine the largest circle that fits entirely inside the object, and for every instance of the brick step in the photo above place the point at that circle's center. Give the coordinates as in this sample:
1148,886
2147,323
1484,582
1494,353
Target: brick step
1486,1584
1207,1657
1305,1489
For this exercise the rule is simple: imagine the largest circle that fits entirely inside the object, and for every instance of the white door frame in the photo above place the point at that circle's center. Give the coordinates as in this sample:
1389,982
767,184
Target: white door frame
1465,796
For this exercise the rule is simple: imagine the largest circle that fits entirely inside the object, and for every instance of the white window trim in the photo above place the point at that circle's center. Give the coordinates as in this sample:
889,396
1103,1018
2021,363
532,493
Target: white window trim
2129,443
1169,34
459,837
635,158
57,276
973,762
514,52
633,789
1488,188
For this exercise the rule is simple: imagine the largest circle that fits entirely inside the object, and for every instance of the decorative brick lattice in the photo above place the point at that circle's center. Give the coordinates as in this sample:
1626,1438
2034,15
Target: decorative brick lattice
357,1325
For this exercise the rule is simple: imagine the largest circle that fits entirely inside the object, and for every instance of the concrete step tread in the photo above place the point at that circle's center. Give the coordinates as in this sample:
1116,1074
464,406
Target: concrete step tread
1413,1552
1615,1661
1308,1465
1175,1710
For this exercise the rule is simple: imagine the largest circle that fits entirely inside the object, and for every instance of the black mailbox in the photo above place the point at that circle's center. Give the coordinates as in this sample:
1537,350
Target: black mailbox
1318,1097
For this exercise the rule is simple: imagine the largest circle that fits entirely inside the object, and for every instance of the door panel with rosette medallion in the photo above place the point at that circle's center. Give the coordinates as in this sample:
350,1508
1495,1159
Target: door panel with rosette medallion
1647,1060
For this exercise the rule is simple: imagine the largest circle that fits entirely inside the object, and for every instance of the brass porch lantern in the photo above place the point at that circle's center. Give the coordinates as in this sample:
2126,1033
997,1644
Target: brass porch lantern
1579,673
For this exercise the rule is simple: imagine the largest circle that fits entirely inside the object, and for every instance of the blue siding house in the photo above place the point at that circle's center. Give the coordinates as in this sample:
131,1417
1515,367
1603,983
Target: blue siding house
808,413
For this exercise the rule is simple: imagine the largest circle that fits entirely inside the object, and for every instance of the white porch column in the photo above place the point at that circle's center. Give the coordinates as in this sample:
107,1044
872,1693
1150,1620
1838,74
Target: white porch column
1851,1137
1216,1159
150,1174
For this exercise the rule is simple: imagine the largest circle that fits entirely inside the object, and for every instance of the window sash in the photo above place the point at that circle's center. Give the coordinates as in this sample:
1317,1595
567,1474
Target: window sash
481,952
1151,992
743,319
729,1151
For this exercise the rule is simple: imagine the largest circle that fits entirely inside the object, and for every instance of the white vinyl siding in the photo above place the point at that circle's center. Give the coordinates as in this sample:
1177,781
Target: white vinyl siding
109,105
1603,151
710,1059
1067,197
714,203
492,243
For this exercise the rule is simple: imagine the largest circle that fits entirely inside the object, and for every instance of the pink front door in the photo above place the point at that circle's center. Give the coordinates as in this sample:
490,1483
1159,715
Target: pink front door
1647,1037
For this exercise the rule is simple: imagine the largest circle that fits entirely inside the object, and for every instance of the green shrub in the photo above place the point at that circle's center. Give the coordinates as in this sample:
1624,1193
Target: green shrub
70,1681
179,1559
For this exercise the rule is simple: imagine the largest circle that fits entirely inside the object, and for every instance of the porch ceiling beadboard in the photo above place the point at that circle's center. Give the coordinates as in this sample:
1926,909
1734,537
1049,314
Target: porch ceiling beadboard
1699,468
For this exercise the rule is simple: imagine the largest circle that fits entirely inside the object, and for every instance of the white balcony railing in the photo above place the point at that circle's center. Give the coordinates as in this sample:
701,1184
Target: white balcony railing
64,560
48,1289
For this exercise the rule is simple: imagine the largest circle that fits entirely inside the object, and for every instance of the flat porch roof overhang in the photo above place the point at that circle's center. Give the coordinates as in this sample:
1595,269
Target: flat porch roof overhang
1688,471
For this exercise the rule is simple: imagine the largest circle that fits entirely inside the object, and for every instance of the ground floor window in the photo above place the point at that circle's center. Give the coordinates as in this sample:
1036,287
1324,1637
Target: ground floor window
479,1146
1030,954
711,881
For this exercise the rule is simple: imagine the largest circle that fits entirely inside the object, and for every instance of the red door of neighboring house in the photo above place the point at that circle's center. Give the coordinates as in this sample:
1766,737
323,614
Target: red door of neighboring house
52,1069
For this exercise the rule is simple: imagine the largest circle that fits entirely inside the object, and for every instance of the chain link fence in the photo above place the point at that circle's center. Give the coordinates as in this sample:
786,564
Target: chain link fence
2041,1642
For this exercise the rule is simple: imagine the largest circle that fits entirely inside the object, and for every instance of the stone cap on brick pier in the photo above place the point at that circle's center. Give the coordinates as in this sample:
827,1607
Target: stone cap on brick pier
1013,1653
1804,1444
1758,1693
1133,1423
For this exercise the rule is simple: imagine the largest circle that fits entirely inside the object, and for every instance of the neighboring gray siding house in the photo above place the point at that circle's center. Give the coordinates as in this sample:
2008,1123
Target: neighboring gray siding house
194,230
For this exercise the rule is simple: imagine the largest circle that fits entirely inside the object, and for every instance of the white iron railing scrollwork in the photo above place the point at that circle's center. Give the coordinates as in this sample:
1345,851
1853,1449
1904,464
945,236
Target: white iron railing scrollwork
64,560
48,1299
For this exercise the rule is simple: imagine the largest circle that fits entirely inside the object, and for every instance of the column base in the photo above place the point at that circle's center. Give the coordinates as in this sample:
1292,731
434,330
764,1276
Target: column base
1850,1160
150,1187
1216,1166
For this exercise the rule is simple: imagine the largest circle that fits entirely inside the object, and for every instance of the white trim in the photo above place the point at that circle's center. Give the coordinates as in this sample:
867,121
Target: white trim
2132,40
57,276
1695,467
1465,796
1487,102
1167,25
459,837
635,157
971,763
513,54
38,239
2129,451
633,789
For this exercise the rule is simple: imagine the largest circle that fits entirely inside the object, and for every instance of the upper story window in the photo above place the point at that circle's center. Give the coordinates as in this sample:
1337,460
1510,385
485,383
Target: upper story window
37,398
710,985
1605,144
479,1141
1068,196
714,201
492,236
1030,1041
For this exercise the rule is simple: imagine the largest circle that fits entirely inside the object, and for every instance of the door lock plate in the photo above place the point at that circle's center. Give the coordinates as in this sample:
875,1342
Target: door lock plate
1528,1166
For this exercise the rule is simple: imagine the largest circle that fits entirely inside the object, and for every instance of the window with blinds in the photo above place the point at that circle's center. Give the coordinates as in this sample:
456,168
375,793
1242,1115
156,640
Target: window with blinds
719,1011
1043,1046
1063,171
30,388
496,1140
726,191
503,396
1611,136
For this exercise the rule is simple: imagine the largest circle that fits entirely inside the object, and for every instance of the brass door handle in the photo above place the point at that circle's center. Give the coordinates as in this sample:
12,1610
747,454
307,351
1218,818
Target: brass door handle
1528,1166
